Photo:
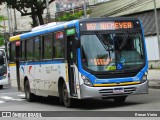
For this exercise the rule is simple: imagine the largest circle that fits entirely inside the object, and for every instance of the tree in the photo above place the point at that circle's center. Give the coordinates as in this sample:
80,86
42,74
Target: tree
34,8
2,18
67,16
1,40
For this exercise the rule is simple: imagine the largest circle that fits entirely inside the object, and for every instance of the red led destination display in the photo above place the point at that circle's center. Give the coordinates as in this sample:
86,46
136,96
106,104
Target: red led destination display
108,25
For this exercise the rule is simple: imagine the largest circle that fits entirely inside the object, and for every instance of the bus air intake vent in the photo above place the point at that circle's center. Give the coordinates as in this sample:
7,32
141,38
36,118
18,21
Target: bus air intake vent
110,93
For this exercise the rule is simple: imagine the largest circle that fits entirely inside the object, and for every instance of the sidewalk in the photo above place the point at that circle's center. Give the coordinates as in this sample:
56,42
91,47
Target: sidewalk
154,78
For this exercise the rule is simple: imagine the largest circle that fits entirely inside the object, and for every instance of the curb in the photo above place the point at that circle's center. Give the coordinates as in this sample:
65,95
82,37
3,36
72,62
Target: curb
154,87
154,83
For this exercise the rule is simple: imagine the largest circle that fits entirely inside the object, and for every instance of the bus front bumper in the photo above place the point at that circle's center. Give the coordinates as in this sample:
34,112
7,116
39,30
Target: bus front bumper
111,92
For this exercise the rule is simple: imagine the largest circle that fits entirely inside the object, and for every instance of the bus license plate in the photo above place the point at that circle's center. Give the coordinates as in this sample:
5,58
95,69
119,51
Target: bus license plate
118,90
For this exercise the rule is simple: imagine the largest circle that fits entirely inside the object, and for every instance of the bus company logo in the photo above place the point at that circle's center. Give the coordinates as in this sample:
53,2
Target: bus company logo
100,81
135,78
6,114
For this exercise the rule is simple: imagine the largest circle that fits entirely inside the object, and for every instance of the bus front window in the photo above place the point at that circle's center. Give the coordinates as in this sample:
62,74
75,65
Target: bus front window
111,52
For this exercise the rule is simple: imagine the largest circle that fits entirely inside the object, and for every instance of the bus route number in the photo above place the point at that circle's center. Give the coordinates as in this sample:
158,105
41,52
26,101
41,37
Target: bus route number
91,26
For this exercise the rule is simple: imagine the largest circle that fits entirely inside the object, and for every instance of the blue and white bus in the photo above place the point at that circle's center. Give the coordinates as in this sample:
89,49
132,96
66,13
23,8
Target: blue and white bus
88,58
4,72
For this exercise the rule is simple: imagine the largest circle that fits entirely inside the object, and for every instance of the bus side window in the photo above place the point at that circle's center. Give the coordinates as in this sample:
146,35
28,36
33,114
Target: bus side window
59,48
37,48
47,45
29,46
23,53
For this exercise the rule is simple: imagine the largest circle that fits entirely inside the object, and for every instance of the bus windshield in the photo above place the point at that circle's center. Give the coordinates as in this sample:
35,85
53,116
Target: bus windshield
112,52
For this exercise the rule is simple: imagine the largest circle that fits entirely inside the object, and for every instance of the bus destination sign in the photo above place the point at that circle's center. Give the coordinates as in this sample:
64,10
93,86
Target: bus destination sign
92,26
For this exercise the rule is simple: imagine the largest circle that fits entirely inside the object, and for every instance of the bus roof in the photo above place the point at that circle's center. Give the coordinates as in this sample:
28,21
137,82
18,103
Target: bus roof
51,27
52,24
44,30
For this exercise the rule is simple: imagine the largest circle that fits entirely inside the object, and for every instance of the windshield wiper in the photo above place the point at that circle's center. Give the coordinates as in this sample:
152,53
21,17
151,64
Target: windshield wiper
124,41
105,43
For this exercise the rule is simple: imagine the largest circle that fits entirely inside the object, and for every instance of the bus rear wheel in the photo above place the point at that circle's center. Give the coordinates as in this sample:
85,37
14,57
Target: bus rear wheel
28,95
68,102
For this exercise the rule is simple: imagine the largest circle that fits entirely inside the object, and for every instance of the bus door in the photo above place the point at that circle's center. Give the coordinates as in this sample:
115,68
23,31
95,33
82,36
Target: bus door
71,58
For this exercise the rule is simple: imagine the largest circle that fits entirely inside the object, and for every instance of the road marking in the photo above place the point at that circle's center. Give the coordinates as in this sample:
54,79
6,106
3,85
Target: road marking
11,93
1,102
22,95
10,98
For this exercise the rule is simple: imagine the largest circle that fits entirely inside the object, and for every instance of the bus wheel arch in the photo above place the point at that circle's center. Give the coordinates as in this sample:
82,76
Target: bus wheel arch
63,93
60,85
25,79
28,95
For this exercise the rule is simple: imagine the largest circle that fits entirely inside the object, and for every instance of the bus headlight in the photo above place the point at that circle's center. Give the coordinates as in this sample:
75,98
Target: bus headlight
144,78
86,81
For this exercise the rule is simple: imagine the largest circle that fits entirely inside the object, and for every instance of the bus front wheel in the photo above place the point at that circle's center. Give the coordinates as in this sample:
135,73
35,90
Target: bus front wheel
68,102
28,95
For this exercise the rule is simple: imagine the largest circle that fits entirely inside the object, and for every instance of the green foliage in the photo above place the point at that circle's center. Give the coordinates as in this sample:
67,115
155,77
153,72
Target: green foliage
1,40
2,18
67,16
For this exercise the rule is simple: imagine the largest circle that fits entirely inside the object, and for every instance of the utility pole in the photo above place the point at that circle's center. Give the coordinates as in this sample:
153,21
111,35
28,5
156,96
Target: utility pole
15,20
9,23
48,16
157,26
85,9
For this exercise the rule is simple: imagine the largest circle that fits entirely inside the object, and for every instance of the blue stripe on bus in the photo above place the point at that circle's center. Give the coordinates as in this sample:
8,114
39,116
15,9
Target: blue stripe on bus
41,62
50,29
145,48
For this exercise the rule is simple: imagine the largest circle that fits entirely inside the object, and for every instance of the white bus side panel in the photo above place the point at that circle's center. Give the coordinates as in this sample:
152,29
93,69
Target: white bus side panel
43,78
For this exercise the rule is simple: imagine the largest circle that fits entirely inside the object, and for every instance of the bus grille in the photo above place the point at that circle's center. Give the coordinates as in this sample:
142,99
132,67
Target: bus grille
109,92
115,75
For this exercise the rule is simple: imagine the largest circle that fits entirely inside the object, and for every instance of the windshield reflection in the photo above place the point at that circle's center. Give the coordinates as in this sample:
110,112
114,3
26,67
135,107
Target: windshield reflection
110,52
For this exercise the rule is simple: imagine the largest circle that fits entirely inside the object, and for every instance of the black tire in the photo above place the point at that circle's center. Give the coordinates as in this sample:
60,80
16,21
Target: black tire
28,95
1,86
68,102
120,99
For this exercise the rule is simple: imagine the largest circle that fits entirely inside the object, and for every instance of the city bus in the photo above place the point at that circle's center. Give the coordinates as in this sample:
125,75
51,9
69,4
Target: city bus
4,73
81,59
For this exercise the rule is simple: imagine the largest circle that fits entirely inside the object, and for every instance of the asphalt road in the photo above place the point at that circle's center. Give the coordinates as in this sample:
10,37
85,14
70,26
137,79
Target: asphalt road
12,100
